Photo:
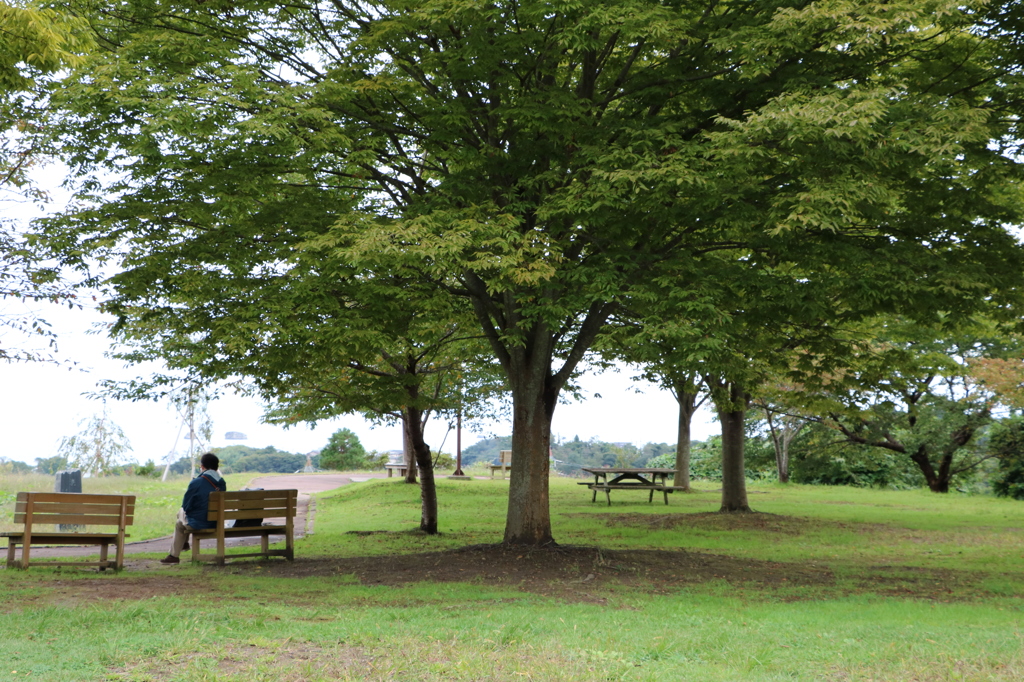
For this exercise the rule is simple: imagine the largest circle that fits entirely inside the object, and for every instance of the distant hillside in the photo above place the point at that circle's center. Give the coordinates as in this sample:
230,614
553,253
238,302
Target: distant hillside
238,458
573,454
486,450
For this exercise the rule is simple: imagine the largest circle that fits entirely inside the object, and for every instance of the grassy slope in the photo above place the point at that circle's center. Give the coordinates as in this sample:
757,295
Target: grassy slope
236,625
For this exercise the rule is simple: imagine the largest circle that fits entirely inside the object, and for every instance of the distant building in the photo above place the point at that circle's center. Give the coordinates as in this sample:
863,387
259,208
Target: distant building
235,435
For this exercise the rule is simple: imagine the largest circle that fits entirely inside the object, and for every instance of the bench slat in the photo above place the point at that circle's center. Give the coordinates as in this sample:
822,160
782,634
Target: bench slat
75,519
85,498
251,514
65,539
251,531
74,508
102,564
273,503
255,494
53,534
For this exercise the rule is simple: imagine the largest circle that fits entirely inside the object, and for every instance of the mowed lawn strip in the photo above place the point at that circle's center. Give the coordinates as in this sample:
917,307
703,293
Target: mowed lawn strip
712,601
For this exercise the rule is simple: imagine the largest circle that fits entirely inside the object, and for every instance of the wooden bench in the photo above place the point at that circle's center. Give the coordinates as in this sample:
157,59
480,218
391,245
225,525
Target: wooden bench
504,463
400,468
82,509
276,505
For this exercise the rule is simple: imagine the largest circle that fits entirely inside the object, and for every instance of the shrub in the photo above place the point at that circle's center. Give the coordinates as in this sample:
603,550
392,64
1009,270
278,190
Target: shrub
1006,442
819,456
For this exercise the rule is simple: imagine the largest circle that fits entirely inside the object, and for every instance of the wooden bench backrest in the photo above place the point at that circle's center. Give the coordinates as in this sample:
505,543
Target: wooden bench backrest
506,456
252,504
75,509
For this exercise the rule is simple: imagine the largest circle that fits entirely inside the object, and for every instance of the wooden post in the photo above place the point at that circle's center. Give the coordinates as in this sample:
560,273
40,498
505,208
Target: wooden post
220,527
27,538
289,526
120,534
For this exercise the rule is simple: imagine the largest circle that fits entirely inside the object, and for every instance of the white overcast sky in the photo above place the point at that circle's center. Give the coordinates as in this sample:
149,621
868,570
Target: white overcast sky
40,403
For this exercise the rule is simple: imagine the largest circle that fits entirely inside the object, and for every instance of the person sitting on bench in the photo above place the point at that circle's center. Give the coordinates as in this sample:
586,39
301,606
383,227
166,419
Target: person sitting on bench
195,504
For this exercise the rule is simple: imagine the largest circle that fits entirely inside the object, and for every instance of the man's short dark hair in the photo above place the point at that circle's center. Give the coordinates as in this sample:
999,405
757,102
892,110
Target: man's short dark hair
210,461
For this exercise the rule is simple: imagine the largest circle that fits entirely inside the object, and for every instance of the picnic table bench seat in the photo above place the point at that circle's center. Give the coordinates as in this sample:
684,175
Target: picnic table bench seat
79,509
277,505
606,488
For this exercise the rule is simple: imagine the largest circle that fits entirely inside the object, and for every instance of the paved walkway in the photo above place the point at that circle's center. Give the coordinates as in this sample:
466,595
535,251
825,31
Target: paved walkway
306,484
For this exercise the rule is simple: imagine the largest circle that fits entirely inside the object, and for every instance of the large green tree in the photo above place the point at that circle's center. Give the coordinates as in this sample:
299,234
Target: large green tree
313,336
35,43
912,392
540,160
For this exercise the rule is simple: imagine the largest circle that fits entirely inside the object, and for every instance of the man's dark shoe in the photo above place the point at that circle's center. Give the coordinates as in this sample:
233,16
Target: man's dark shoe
186,546
170,560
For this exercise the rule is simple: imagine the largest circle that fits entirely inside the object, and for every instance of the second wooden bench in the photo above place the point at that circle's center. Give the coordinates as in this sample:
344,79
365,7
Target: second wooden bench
277,506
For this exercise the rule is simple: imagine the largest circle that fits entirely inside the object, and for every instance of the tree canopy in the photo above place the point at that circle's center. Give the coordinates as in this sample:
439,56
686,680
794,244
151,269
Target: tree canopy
343,451
541,161
34,44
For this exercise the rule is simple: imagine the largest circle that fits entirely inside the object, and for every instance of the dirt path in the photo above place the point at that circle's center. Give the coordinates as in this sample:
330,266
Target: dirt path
306,484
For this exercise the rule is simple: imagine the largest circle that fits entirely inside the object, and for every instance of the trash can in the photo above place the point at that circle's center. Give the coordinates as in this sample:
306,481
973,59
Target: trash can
69,481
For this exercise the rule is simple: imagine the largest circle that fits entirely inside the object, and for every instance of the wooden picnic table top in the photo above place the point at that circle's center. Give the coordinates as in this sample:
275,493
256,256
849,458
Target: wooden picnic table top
638,476
628,470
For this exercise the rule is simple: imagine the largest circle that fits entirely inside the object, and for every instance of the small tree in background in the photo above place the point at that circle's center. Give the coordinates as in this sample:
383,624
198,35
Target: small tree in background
1006,442
50,465
343,451
98,448
13,466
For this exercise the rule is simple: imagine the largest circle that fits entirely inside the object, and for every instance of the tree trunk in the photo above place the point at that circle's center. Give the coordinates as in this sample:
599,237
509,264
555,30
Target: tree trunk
732,414
525,348
428,490
782,465
782,435
936,483
408,451
529,519
687,406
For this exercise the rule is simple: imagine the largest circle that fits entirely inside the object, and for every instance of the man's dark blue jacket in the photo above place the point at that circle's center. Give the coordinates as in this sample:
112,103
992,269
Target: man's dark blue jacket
197,498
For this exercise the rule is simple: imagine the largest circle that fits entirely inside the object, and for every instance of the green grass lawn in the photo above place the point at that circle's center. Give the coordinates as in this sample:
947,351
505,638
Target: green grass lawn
910,586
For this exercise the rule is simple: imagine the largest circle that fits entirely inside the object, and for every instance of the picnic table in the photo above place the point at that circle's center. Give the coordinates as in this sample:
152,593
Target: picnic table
649,479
